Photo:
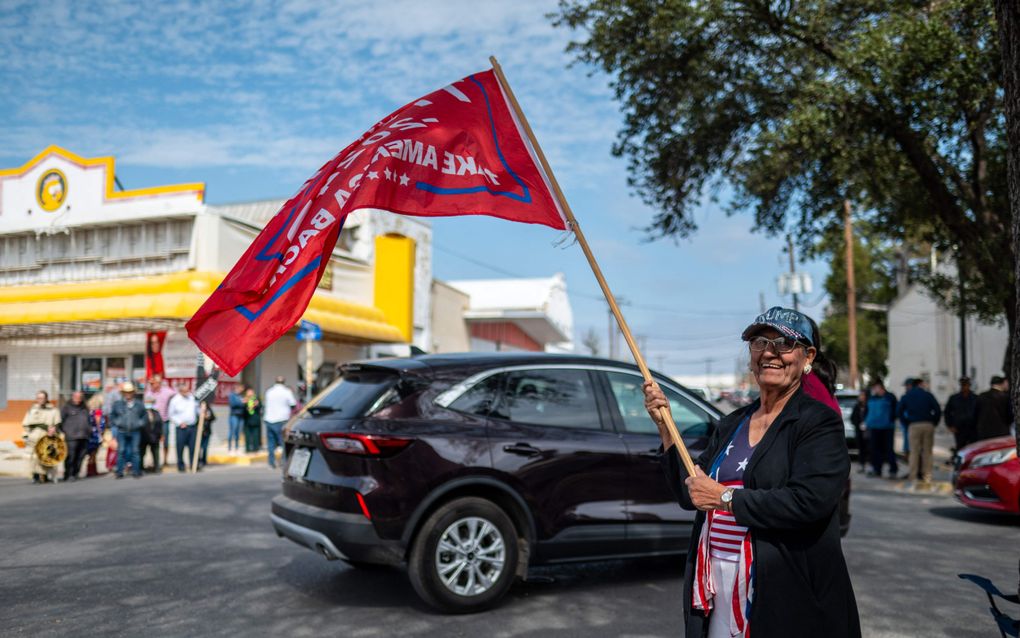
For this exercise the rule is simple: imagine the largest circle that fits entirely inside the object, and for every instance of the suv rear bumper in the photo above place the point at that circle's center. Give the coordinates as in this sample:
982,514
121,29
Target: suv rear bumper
335,535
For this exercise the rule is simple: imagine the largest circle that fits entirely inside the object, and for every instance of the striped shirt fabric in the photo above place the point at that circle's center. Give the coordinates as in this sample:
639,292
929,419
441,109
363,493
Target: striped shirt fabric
725,536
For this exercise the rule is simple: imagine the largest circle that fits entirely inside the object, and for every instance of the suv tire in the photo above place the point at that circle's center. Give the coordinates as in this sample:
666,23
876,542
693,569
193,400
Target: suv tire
464,557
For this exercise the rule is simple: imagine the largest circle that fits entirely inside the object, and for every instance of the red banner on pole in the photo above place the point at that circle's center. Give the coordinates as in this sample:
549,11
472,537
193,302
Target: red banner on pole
457,151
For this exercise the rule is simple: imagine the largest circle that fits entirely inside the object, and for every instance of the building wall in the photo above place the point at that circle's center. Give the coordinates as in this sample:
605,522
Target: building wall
449,330
505,335
924,341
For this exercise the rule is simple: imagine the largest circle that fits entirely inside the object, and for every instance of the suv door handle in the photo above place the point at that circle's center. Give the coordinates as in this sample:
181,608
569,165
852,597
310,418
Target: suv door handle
650,454
523,449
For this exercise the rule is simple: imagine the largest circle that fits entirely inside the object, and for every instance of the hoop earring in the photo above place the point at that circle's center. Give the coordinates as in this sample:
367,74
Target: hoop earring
807,368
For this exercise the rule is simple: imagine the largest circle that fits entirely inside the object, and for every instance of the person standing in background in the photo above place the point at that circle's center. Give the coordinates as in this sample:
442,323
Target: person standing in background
857,420
207,422
920,411
961,415
279,403
994,413
252,421
183,414
880,422
159,394
128,416
237,414
152,434
97,428
74,417
42,419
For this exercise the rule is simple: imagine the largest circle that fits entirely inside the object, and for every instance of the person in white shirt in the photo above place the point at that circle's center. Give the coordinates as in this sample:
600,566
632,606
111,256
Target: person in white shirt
279,402
182,413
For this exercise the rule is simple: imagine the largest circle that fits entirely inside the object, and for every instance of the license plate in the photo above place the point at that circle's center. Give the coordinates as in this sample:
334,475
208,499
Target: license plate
299,459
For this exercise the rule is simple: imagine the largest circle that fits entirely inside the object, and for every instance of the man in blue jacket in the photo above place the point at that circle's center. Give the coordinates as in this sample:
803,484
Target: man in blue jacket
129,417
920,412
880,422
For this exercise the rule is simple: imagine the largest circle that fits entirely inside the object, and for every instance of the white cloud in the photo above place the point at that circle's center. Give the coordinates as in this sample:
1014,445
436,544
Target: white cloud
225,83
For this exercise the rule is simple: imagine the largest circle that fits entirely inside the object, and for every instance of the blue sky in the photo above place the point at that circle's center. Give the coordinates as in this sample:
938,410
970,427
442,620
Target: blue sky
251,98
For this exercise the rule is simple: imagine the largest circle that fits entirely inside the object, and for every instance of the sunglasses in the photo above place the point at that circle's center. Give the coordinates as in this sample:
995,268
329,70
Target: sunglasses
780,345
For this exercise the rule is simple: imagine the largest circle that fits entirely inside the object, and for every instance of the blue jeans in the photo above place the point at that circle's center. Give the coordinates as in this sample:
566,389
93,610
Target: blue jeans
185,439
234,434
127,445
274,439
906,438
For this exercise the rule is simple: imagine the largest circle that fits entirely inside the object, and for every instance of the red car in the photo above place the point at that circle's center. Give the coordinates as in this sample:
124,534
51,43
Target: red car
987,475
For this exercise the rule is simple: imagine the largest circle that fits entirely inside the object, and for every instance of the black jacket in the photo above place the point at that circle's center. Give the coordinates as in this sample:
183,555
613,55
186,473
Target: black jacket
74,421
790,502
994,414
961,411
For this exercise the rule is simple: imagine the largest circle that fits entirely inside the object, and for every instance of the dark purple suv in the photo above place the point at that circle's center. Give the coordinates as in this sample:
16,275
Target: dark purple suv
471,467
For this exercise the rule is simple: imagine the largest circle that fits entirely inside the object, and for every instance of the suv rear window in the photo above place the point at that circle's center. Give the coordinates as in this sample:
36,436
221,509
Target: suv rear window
355,393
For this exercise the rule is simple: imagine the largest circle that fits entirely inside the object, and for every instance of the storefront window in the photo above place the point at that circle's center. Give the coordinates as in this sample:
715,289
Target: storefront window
91,374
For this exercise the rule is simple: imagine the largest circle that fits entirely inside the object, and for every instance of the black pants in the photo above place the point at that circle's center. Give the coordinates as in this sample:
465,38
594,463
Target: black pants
152,446
863,445
76,449
252,437
882,450
964,437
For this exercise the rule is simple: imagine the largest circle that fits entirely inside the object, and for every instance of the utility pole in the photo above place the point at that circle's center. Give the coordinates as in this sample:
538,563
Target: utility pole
851,292
793,269
963,326
708,372
761,301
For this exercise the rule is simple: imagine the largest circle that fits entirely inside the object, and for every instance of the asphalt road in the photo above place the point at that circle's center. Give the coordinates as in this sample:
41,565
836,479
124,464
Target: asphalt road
180,555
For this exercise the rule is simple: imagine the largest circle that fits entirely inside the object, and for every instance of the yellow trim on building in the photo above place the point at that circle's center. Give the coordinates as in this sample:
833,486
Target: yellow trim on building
394,281
173,296
108,162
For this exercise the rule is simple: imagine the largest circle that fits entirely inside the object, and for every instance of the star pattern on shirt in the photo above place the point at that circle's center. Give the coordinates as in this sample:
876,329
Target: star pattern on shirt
742,465
373,175
404,179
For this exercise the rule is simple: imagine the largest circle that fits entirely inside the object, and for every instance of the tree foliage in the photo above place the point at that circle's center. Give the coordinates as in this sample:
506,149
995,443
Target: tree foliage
895,104
877,264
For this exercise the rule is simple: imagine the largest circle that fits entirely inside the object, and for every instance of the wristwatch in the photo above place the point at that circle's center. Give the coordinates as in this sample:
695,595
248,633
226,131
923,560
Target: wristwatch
727,499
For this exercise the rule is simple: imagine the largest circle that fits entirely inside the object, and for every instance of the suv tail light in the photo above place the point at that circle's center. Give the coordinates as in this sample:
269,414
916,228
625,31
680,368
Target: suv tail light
363,444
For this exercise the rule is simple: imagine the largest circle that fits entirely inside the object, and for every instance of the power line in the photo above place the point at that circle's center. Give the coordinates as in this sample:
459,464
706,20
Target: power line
596,296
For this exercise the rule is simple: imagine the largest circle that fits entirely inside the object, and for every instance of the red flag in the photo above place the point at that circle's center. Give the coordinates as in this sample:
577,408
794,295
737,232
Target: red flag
457,151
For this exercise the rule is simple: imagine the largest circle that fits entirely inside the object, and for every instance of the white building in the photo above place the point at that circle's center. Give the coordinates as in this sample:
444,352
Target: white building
89,272
924,341
518,314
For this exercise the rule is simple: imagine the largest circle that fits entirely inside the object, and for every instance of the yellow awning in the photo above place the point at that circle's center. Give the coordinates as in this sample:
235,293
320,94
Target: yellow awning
173,296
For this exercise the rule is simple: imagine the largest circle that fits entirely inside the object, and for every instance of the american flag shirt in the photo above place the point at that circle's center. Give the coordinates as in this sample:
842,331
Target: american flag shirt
725,536
723,539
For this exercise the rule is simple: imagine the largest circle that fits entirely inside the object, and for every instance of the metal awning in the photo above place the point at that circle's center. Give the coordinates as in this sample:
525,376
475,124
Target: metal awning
158,303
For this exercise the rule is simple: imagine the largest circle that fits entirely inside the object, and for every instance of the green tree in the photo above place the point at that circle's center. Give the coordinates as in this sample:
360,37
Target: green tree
876,263
896,104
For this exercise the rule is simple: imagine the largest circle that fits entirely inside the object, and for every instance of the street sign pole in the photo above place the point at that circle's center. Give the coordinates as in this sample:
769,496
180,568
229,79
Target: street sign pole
309,332
308,370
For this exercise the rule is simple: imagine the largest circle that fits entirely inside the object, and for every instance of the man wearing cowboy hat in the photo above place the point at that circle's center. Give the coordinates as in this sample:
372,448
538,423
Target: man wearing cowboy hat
128,416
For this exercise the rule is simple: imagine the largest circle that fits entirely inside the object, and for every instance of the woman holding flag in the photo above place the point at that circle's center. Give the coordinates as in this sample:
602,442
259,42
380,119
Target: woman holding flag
765,557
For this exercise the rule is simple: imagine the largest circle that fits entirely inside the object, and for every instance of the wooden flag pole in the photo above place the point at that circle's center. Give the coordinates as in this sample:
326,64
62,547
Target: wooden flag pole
197,450
674,434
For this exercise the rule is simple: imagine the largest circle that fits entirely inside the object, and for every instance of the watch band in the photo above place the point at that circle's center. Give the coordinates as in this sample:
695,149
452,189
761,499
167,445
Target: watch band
728,502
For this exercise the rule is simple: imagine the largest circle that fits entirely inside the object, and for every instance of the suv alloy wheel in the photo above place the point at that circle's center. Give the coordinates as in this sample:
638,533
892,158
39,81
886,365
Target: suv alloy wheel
464,557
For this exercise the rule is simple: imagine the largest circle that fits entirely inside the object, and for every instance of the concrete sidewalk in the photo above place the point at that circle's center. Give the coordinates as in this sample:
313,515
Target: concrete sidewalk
14,459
